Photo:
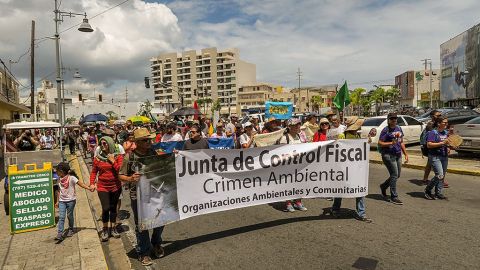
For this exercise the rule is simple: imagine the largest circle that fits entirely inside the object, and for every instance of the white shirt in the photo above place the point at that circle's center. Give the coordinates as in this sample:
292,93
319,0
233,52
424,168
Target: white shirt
230,128
291,139
215,135
244,139
68,193
48,141
175,137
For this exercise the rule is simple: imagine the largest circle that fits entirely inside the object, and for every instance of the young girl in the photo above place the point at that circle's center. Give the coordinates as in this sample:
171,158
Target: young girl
66,198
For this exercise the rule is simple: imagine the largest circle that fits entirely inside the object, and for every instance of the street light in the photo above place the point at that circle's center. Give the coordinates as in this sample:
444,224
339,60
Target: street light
84,27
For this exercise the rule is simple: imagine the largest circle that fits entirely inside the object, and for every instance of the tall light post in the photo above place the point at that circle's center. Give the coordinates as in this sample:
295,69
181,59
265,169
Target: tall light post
84,27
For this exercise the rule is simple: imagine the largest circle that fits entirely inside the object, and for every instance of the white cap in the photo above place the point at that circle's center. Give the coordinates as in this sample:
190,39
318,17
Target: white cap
255,117
247,124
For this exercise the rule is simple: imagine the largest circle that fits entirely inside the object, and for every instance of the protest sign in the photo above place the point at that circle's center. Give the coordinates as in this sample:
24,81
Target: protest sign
279,110
268,139
168,147
209,181
220,143
31,198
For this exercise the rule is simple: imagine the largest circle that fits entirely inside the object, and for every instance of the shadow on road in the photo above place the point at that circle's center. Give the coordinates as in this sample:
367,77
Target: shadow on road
416,194
178,245
417,182
377,197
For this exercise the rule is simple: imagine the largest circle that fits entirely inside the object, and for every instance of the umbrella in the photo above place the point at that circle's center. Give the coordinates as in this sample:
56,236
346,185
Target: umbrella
139,119
96,117
119,122
186,111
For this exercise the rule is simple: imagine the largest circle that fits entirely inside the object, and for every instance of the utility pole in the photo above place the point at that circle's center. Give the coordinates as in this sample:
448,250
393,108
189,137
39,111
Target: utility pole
32,73
425,62
430,79
299,74
126,94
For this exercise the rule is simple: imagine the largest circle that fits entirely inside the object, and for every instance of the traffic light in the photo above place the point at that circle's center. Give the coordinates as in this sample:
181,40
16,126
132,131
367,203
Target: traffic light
99,98
147,82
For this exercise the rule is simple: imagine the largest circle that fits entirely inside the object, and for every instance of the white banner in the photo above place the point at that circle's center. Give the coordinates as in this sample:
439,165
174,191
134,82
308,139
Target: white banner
210,181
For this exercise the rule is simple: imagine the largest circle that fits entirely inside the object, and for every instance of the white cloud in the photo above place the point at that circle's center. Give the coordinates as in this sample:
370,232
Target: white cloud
119,49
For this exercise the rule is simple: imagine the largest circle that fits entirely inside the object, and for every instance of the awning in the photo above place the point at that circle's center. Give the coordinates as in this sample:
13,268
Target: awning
15,107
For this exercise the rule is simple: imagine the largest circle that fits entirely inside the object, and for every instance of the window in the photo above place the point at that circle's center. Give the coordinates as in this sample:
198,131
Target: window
400,122
474,121
412,121
373,122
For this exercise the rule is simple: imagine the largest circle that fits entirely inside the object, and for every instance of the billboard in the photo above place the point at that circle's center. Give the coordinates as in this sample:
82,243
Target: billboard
459,66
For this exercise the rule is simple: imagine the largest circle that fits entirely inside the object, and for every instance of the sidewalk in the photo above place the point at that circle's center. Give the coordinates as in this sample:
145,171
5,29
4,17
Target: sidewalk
455,165
38,249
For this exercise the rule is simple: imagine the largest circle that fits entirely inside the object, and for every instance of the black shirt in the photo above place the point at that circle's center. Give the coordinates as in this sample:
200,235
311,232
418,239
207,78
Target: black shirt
194,145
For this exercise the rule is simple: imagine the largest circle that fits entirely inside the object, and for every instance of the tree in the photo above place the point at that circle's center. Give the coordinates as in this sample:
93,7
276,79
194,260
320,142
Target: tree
70,120
317,103
216,106
111,115
391,95
356,97
377,96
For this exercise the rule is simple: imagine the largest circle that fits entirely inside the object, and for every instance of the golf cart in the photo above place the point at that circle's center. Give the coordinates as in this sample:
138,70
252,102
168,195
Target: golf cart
33,154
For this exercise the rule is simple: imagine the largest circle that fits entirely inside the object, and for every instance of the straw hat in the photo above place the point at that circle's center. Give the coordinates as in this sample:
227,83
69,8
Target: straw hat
271,118
294,121
324,120
331,113
350,120
355,125
142,133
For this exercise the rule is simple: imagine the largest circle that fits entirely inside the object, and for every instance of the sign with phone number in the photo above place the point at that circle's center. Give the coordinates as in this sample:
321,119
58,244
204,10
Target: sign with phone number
31,198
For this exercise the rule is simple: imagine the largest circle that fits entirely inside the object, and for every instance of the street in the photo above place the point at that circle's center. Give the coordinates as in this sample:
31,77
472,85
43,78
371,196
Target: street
421,234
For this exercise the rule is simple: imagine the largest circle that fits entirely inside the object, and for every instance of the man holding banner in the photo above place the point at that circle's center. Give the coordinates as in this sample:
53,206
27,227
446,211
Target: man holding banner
130,172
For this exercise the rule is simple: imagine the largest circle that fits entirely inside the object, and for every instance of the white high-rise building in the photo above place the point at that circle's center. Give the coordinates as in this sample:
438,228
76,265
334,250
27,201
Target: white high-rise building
209,75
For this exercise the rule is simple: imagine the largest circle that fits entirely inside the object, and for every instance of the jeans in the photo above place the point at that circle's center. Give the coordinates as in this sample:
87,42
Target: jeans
394,167
65,209
360,201
143,238
439,166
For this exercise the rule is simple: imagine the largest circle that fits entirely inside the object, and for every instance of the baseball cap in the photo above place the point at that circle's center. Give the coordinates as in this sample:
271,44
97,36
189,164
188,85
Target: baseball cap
392,115
247,124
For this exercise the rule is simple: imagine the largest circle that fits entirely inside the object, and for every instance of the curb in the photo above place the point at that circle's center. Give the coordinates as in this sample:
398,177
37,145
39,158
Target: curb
91,252
422,167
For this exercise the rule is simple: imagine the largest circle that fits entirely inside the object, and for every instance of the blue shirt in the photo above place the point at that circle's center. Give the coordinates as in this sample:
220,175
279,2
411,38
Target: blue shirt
388,135
436,136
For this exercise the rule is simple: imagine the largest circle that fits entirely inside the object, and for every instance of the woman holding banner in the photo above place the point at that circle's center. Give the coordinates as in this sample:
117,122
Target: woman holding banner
292,136
246,139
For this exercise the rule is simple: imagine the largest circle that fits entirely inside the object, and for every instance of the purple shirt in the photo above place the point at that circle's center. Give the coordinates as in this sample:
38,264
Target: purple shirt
388,135
436,136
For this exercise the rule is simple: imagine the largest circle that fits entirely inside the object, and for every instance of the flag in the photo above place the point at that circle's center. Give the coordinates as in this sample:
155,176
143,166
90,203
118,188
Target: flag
342,98
195,106
210,130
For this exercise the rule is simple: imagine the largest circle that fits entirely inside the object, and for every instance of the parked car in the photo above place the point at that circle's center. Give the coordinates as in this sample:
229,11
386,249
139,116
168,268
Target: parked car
411,127
470,132
455,116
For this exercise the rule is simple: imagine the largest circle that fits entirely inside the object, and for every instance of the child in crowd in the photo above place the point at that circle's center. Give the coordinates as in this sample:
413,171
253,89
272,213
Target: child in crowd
66,198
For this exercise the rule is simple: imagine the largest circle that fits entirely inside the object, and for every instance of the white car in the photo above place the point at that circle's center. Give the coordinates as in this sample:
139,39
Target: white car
470,132
411,128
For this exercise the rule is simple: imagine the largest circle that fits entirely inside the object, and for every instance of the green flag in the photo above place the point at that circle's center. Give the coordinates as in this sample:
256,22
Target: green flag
342,98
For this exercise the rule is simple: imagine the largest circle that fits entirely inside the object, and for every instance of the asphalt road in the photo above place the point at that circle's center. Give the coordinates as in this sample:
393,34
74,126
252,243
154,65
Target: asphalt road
420,234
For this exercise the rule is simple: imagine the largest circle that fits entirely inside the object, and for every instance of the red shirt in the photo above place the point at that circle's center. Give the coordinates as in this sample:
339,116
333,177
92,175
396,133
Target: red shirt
319,137
107,174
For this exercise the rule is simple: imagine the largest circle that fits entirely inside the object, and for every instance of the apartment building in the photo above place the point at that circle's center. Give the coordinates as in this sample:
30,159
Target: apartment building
178,79
322,97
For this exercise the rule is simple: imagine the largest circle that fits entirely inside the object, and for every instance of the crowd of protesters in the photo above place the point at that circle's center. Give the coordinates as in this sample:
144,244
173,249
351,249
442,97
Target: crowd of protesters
115,149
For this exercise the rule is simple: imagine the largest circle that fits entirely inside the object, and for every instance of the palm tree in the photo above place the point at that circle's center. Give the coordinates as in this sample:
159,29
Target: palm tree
111,115
391,95
378,96
356,98
316,102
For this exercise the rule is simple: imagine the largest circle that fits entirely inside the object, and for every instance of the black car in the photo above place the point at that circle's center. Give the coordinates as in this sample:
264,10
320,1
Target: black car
455,116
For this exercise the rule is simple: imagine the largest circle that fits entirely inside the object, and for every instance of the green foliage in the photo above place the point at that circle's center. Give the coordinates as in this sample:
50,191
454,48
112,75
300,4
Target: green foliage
216,106
111,115
316,103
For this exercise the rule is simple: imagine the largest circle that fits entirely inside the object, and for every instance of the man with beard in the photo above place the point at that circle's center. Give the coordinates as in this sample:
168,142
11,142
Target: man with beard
171,135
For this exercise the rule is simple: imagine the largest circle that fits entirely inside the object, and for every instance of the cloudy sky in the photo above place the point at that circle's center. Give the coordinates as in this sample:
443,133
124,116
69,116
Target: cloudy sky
364,42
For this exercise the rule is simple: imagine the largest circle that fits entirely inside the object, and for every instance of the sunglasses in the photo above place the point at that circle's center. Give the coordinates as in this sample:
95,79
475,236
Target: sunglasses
193,131
325,124
144,140
105,143
393,118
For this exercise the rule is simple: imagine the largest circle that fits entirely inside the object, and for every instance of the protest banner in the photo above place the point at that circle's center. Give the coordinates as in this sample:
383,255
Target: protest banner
279,110
168,147
208,181
268,139
31,198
